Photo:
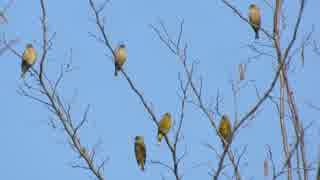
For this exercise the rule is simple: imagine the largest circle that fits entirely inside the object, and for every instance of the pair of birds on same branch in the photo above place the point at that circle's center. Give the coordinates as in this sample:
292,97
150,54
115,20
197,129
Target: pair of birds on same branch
139,145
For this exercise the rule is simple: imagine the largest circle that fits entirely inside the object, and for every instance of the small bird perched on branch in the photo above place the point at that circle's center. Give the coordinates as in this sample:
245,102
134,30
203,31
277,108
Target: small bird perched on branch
164,126
140,151
255,19
28,59
225,129
120,58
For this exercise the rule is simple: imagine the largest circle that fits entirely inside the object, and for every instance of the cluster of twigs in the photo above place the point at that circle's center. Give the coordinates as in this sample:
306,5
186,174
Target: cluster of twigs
45,91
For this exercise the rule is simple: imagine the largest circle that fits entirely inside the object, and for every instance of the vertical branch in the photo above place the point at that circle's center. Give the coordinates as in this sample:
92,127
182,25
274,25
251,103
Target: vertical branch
276,34
44,39
285,144
299,131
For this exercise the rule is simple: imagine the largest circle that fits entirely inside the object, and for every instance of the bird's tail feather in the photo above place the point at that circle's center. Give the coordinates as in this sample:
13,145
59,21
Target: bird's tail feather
115,69
257,35
159,137
142,166
24,69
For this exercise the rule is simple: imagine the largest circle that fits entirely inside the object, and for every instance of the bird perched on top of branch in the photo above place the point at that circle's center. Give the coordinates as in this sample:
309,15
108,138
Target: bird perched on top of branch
225,129
120,58
140,151
28,59
164,126
255,19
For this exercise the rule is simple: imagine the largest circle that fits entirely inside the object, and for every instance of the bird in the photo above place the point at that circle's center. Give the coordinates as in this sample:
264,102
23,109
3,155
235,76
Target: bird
225,129
140,151
28,59
120,58
255,19
164,126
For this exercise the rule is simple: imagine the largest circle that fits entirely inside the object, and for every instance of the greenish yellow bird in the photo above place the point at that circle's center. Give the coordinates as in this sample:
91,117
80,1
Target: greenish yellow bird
120,58
140,151
255,19
164,126
225,129
28,59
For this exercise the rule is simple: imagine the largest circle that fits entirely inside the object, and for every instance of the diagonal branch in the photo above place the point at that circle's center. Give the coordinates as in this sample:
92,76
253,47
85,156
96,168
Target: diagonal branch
142,99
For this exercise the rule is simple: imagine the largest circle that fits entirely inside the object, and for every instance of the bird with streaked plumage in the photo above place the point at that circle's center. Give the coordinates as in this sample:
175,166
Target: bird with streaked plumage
140,151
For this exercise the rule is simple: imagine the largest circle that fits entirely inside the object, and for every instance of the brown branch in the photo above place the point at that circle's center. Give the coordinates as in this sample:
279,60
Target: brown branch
284,84
276,24
236,11
172,147
181,54
56,105
296,28
283,128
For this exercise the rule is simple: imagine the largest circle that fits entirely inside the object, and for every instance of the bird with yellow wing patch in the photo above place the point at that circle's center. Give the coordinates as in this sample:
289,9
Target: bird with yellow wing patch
140,151
225,129
164,126
28,59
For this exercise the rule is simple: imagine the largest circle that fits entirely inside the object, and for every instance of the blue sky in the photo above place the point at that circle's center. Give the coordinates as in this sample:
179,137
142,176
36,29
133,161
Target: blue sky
31,149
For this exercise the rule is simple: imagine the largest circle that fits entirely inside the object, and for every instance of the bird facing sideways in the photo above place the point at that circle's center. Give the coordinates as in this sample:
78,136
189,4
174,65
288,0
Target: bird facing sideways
140,151
28,59
164,126
120,58
255,19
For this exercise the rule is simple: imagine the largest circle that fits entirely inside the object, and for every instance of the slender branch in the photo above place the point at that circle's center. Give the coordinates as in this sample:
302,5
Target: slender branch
181,54
56,106
236,11
101,28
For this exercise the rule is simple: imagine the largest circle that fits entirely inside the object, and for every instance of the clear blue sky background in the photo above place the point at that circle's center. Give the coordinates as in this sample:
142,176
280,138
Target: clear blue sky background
31,149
